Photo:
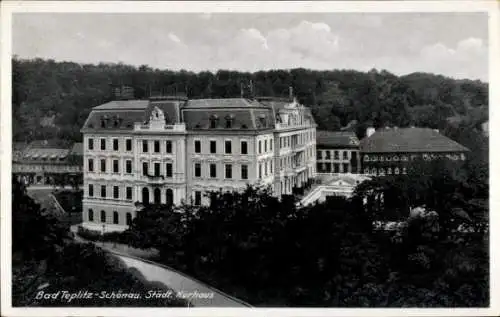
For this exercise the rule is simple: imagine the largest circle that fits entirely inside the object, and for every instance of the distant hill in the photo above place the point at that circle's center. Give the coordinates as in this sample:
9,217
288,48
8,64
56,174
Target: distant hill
67,91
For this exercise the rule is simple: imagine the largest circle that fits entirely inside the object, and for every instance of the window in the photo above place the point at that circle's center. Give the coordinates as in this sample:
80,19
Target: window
260,170
115,217
91,165
229,123
265,146
336,155
115,166
213,122
115,144
344,155
145,195
170,196
271,145
213,170
129,218
318,154
345,168
91,190
229,171
213,146
128,194
227,146
169,146
91,144
157,146
281,142
103,191
169,170
103,216
145,169
103,165
197,170
197,146
91,215
244,171
144,146
260,147
265,168
396,171
103,144
244,147
197,198
336,168
128,145
128,166
271,167
157,169
116,192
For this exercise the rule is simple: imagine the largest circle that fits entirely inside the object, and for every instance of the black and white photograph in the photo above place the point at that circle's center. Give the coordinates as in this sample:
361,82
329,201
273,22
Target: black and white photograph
259,155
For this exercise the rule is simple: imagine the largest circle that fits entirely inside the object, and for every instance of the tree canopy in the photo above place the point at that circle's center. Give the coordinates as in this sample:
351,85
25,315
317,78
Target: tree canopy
53,99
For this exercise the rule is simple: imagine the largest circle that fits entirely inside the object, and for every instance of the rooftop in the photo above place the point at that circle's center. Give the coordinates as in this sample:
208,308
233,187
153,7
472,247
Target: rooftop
337,139
123,105
396,140
224,103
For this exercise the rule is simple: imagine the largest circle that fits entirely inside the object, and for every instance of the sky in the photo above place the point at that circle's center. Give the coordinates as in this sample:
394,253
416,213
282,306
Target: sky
451,44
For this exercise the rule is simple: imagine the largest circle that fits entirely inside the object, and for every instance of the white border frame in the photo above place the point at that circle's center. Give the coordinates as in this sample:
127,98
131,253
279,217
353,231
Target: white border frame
8,8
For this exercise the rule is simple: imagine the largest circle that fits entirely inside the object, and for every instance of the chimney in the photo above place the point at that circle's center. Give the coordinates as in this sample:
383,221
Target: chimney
370,131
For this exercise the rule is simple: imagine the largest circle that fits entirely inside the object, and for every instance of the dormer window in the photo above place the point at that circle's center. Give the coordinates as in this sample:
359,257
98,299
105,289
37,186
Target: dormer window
213,121
103,123
229,121
262,120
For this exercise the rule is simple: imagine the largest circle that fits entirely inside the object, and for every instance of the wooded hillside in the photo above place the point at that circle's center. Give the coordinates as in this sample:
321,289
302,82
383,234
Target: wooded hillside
52,99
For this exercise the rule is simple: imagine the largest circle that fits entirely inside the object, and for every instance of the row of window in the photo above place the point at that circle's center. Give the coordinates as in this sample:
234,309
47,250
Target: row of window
116,217
293,140
115,144
115,166
128,167
265,168
228,171
382,171
228,147
115,192
327,168
387,158
265,146
336,155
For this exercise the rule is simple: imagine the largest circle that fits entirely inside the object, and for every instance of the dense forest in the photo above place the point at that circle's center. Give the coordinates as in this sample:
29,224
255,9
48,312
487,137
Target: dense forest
52,99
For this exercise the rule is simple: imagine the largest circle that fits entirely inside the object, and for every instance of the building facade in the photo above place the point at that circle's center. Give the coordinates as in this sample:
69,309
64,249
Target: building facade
47,163
172,150
391,151
337,152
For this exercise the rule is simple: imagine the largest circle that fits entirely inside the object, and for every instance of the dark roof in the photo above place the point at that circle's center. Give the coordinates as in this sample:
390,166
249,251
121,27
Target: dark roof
409,140
339,139
244,113
77,149
224,103
123,104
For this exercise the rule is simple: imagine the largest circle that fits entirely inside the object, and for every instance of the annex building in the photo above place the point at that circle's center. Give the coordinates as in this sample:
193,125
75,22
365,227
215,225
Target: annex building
389,151
47,162
171,150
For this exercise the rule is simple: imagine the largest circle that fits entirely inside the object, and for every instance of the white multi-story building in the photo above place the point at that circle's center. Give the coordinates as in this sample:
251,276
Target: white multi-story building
170,150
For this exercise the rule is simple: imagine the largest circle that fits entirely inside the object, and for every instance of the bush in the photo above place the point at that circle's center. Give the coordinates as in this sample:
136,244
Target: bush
95,235
91,235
